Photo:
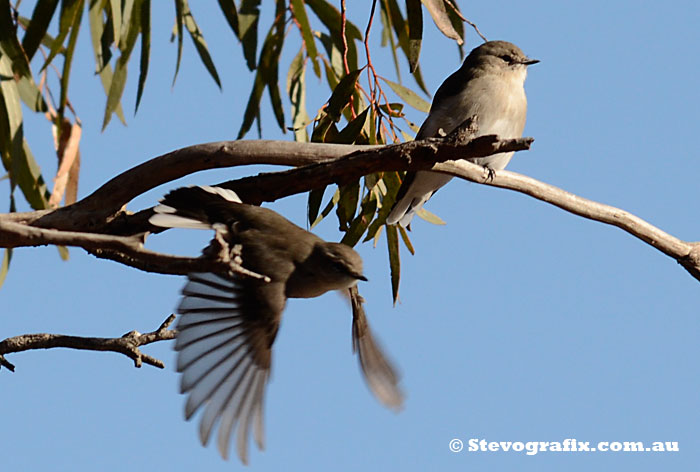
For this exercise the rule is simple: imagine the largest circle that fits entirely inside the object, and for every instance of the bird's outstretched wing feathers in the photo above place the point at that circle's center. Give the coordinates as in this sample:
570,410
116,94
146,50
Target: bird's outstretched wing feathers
226,330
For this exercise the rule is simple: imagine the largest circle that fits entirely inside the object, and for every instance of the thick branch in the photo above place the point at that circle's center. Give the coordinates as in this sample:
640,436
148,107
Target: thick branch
90,215
126,250
95,210
128,344
414,155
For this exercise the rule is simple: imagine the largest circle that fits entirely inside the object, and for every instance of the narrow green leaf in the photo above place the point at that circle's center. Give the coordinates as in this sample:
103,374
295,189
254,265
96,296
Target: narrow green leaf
430,217
47,40
269,62
16,156
177,32
68,60
29,178
7,256
313,204
330,16
392,242
418,77
328,208
350,133
334,54
342,93
63,252
409,96
388,36
252,109
393,110
277,108
296,88
401,29
414,15
392,183
299,11
106,37
115,7
38,26
115,93
347,206
376,236
322,125
116,88
406,240
228,7
442,19
5,265
97,28
331,76
457,24
266,74
31,95
331,19
372,125
127,12
69,10
9,44
248,16
199,43
145,49
361,222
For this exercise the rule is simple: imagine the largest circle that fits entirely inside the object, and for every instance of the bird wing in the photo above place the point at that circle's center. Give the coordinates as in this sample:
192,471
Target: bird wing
225,334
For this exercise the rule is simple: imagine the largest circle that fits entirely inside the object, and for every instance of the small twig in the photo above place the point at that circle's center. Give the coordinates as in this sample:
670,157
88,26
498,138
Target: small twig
343,34
7,364
461,17
128,344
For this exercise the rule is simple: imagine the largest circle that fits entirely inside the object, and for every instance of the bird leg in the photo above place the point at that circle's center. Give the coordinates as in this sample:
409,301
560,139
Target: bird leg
220,250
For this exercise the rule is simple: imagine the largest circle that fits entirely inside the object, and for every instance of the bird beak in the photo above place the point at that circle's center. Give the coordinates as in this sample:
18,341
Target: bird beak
529,62
361,277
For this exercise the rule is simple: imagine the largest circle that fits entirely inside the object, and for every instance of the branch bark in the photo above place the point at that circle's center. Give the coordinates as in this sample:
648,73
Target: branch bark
121,233
128,344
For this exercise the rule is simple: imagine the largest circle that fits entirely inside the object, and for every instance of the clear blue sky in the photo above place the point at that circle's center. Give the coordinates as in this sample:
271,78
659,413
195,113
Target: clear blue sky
517,321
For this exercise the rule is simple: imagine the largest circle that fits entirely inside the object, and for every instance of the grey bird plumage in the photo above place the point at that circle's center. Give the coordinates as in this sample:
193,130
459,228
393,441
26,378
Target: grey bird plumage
228,322
488,85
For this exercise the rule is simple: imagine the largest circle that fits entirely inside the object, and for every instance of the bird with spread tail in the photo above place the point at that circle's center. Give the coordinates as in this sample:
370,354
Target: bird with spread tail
489,86
228,322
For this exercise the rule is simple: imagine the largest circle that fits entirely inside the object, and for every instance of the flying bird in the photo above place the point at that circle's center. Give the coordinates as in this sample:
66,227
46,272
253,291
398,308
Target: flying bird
228,322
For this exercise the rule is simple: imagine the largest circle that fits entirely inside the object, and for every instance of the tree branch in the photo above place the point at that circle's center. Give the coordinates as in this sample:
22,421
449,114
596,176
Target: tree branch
128,344
685,253
101,212
97,209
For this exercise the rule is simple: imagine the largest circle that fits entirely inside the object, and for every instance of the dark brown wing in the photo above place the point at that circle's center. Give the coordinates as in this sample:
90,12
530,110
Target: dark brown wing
226,330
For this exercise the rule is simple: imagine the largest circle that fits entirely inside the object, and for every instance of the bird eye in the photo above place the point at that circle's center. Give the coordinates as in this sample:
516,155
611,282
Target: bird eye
508,58
340,267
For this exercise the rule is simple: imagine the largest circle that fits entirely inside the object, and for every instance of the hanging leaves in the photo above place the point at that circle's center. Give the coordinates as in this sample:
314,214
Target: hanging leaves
357,111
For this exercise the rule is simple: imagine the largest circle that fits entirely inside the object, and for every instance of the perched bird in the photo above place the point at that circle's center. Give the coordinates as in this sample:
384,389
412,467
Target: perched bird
490,86
228,322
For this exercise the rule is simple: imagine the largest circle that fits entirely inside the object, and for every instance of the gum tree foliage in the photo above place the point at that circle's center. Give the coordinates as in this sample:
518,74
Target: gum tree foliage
334,49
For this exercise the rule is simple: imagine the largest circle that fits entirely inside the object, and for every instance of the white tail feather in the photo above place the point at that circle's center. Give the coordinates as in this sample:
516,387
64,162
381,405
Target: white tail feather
229,195
168,220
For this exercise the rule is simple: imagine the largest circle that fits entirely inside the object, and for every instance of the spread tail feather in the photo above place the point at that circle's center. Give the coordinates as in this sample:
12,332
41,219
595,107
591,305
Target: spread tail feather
193,207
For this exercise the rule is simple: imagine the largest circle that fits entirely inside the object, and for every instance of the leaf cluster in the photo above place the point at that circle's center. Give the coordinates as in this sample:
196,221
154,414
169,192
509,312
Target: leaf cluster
358,109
